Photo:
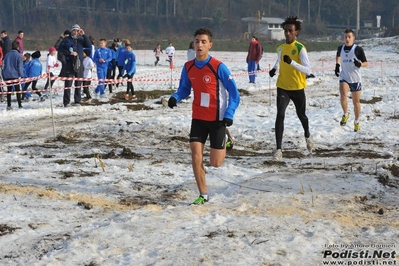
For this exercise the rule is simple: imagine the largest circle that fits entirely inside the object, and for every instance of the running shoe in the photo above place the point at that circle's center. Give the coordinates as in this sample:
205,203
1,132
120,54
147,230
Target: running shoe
199,200
344,119
309,144
357,127
229,143
87,100
278,155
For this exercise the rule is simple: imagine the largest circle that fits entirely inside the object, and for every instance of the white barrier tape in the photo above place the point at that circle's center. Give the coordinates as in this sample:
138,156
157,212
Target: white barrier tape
115,81
54,89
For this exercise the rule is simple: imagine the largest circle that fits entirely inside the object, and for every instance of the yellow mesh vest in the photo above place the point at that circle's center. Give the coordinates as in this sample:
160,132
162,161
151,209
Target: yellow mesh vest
290,78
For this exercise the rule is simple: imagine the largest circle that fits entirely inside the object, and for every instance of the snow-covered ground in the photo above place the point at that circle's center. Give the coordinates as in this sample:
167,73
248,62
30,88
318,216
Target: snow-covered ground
113,186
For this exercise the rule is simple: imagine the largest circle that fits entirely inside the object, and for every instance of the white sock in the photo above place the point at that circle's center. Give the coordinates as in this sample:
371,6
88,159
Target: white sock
205,196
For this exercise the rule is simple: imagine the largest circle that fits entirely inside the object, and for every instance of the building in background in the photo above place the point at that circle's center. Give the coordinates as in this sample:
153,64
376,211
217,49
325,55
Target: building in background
264,28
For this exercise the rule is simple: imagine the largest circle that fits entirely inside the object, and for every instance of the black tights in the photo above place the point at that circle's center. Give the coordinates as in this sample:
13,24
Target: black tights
111,77
33,88
130,87
86,88
283,99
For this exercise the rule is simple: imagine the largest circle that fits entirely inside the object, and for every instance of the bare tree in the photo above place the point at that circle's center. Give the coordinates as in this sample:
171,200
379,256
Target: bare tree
156,9
271,2
118,5
299,8
318,12
167,11
13,13
88,10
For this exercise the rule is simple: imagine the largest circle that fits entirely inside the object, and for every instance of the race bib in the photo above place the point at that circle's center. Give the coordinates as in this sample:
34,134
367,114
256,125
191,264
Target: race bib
205,98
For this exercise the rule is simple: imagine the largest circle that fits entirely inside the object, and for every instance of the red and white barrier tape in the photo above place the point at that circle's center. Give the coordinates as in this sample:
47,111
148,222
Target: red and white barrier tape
106,82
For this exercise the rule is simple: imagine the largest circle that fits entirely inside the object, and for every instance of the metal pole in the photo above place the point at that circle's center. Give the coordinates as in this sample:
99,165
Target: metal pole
171,82
51,100
174,8
171,66
270,89
358,18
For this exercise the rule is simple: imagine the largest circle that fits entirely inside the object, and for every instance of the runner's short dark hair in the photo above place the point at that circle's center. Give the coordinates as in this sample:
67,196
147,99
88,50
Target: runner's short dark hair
15,45
349,30
205,31
292,20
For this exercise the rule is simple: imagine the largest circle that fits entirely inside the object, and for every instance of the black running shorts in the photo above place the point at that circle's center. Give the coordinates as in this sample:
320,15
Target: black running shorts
215,129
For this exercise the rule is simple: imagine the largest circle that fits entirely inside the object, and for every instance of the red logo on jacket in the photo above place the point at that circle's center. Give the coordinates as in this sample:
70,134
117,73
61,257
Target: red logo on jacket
207,79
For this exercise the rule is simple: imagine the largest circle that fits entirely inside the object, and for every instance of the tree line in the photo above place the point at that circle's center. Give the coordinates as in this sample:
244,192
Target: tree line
174,18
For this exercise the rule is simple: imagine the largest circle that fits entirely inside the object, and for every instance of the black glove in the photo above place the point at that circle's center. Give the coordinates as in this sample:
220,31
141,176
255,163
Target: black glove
310,76
287,59
172,102
357,63
272,72
337,69
227,122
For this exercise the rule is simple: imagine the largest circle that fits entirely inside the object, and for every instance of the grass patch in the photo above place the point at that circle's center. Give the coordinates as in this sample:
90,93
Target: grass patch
157,162
67,138
228,45
394,170
62,161
141,96
270,46
244,92
179,138
66,174
236,153
154,94
241,45
6,229
16,169
359,153
372,101
126,153
138,107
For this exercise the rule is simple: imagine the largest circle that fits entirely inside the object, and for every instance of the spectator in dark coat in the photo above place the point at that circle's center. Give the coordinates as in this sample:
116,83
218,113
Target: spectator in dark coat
253,57
1,75
13,70
72,48
60,56
6,45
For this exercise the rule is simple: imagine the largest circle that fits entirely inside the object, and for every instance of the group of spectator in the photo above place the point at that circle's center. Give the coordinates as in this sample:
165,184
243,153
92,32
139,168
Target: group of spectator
11,63
78,57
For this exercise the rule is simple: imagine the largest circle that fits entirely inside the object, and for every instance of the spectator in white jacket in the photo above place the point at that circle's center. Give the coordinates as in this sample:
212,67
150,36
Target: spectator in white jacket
88,66
191,52
51,64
